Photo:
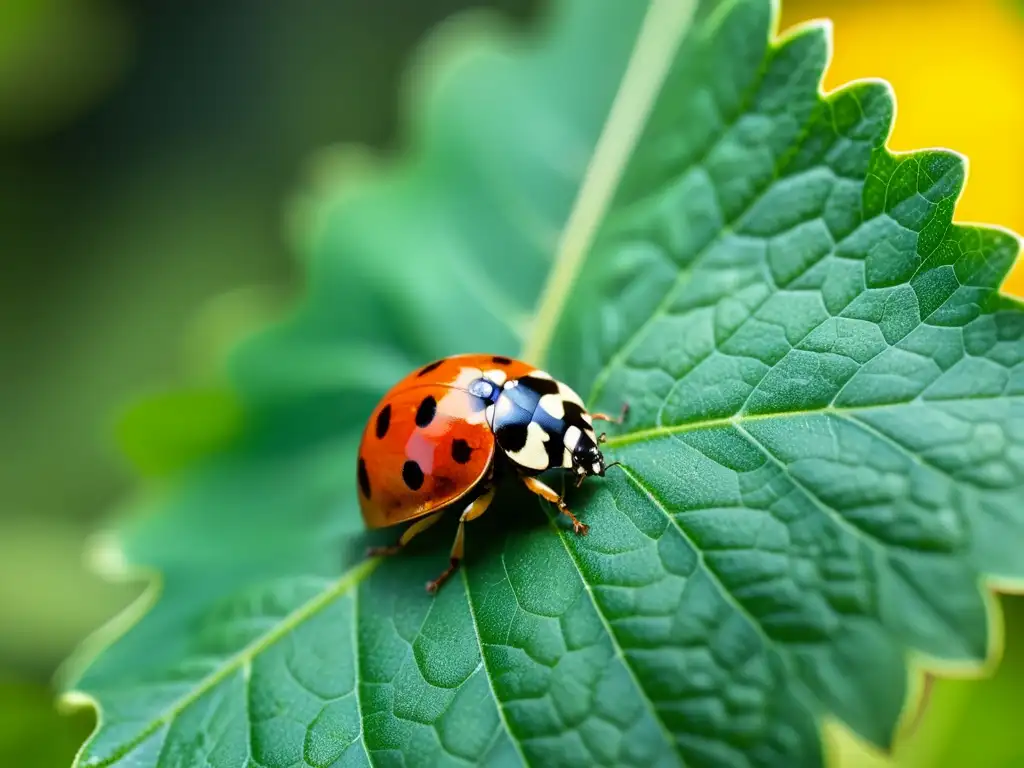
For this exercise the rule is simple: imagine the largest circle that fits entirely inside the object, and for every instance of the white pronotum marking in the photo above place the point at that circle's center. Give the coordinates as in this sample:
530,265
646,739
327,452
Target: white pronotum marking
466,377
455,401
570,396
497,376
571,440
533,455
552,405
502,409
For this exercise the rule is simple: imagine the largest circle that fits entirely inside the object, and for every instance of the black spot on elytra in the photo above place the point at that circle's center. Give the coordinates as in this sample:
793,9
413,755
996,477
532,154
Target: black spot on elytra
364,478
425,413
383,421
512,437
412,475
461,450
501,360
540,386
428,368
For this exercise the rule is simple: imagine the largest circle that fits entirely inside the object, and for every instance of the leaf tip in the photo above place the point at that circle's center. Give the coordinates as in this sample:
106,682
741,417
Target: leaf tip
71,702
822,26
842,746
111,563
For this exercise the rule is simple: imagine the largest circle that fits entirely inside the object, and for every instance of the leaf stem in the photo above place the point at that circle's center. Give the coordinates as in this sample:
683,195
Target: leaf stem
664,27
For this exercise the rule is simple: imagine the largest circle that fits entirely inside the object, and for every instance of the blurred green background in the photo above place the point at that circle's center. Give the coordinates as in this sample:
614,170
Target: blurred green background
148,155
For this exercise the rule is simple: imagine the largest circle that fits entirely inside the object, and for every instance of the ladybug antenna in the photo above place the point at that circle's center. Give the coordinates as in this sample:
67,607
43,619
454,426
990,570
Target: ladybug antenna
613,464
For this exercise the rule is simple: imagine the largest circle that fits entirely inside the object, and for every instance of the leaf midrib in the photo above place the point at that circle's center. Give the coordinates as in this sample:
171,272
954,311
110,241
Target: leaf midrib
738,420
664,27
516,744
612,637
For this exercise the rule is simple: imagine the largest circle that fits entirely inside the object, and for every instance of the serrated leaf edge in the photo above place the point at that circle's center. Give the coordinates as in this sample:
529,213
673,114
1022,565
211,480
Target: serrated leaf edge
241,660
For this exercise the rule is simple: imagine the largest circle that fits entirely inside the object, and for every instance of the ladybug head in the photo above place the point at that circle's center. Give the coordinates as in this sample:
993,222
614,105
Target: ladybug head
587,458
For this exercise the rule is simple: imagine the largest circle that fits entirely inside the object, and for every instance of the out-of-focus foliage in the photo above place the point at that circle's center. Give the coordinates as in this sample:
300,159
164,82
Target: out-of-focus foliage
56,58
141,238
160,206
52,597
142,228
785,537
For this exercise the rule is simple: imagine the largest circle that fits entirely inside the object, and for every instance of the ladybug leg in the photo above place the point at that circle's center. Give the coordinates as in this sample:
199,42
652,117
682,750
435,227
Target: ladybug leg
606,417
418,527
545,492
476,508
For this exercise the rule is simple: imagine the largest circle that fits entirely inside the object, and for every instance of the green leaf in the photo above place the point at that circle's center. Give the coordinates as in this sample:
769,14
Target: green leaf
820,468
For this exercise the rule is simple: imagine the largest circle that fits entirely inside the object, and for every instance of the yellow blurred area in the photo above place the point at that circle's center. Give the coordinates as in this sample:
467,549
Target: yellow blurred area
958,72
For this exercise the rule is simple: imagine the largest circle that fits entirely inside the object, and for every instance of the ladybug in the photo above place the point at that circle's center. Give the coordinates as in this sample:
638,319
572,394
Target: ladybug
446,433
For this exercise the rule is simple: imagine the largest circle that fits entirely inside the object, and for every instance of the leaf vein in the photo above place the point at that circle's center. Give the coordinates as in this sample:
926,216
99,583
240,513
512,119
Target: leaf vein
727,594
498,703
700,554
623,350
236,661
665,25
641,435
613,639
247,706
834,514
357,682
